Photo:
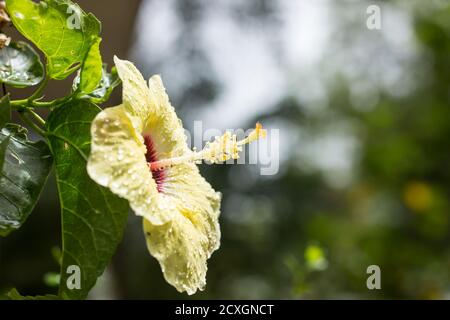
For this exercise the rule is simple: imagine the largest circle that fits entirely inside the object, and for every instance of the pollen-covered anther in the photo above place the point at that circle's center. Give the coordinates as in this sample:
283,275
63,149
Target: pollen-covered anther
221,149
227,147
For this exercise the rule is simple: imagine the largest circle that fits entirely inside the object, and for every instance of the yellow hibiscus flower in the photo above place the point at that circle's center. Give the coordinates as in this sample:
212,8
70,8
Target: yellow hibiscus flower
139,152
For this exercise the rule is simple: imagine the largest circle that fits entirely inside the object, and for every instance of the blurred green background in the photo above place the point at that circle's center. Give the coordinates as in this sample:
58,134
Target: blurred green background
364,148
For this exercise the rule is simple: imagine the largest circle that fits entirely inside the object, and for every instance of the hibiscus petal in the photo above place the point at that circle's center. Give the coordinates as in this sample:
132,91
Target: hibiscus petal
163,125
183,245
135,94
195,199
194,231
117,161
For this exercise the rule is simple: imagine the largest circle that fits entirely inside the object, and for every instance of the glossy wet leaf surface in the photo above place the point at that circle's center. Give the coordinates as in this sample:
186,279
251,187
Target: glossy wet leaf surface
26,166
109,81
5,111
93,219
91,71
20,65
59,28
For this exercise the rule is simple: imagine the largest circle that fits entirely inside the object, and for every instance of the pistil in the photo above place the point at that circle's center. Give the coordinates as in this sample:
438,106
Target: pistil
221,149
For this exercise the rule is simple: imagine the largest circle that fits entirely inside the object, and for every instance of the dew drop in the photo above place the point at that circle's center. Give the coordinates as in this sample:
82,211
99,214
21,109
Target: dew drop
19,15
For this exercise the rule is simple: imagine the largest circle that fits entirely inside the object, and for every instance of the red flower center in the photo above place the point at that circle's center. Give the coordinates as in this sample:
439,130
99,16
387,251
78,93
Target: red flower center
151,156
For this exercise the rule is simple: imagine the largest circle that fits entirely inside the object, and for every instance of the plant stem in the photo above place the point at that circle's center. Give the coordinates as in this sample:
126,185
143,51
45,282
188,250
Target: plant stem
37,94
50,104
31,124
36,117
18,104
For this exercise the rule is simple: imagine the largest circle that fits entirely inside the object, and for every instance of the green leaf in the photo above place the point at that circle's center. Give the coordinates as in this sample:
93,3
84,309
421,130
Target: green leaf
91,71
93,219
20,65
3,148
5,111
13,294
59,28
108,83
25,169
